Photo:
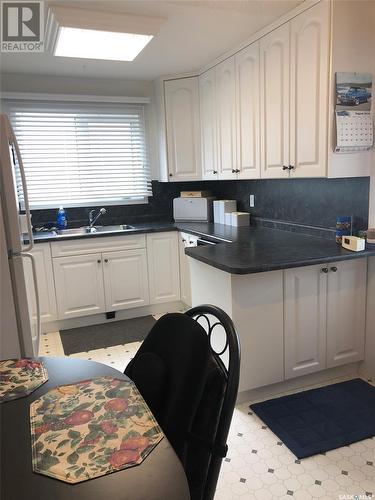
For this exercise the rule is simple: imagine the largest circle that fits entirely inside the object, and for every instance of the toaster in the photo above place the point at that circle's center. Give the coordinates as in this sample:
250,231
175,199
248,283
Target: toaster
353,243
193,209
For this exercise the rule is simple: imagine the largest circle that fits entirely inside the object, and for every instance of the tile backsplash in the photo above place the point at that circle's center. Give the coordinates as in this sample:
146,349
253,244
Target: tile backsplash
310,202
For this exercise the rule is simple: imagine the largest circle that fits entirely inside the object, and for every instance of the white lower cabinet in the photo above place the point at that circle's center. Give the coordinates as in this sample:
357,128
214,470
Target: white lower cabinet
257,311
292,322
346,312
125,279
79,285
46,286
305,295
183,242
91,282
163,267
324,316
105,281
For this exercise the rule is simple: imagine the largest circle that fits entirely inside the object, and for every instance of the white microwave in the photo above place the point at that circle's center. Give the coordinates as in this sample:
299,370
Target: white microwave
193,209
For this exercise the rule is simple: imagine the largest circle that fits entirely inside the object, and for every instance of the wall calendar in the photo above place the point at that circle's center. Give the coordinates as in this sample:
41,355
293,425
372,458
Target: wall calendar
354,131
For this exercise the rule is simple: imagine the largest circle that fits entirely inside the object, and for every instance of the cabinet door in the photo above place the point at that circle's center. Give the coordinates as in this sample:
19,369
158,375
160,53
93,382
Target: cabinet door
207,91
274,97
248,114
79,285
183,129
310,42
346,309
125,279
257,302
226,118
163,267
46,286
305,293
184,269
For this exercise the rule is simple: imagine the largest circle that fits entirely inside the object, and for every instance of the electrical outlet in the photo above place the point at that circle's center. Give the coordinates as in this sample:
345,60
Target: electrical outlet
252,201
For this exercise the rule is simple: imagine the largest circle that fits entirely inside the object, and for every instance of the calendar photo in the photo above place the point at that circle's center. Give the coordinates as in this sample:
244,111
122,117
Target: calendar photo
353,90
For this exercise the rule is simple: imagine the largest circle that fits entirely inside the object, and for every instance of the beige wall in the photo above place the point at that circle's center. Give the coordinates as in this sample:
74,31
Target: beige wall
372,182
73,85
353,49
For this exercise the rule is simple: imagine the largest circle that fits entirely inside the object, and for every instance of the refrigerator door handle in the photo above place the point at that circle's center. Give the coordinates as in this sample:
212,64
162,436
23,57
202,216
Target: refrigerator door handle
30,245
36,290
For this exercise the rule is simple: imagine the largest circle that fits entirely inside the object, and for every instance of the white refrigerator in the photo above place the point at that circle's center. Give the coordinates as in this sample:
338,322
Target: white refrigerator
20,324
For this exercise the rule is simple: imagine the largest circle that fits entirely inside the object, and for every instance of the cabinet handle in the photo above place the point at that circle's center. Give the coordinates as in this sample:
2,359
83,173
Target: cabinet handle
285,167
170,175
237,170
214,172
291,167
105,260
233,171
334,269
324,270
99,261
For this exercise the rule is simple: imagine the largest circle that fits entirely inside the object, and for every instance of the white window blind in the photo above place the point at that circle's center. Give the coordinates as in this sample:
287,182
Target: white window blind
78,154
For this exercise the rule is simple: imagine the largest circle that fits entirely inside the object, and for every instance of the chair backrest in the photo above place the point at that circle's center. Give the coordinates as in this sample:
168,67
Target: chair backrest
191,387
208,441
170,370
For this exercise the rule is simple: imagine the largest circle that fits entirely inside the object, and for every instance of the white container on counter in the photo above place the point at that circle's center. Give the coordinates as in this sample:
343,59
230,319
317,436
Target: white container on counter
240,219
221,207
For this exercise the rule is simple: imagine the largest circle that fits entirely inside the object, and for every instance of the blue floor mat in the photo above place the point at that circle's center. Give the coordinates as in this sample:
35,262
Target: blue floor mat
322,419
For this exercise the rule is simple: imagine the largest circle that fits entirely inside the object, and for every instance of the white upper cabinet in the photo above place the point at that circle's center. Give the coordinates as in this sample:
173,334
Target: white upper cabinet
309,68
274,98
226,118
346,312
207,92
248,112
265,111
183,129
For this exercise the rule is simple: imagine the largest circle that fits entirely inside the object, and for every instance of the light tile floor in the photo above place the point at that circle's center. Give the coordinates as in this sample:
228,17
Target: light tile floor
258,465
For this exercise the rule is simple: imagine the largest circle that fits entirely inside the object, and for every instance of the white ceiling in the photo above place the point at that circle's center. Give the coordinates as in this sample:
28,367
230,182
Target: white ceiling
194,33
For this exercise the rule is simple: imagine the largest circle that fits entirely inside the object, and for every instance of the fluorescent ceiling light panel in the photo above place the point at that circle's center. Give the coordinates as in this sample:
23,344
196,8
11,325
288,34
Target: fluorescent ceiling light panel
93,44
89,34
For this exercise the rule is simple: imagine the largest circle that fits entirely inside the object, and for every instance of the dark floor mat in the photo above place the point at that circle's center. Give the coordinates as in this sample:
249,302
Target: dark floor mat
87,338
319,420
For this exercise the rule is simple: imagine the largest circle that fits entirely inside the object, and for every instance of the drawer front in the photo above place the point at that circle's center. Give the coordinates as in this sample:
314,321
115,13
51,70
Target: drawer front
95,245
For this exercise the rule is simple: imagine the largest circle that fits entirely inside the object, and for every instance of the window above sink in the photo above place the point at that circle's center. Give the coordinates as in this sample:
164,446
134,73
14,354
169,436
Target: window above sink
82,154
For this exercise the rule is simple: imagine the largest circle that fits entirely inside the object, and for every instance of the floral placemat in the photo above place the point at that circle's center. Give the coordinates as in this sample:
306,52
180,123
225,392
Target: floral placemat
20,377
91,428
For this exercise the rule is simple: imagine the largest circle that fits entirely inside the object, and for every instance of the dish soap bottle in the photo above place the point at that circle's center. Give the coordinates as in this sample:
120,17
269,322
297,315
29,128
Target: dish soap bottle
61,220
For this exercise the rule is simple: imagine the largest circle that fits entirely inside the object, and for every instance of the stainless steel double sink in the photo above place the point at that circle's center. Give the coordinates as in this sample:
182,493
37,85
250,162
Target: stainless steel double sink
92,230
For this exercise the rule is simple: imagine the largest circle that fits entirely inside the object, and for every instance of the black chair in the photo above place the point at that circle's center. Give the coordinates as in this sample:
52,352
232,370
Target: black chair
190,389
209,433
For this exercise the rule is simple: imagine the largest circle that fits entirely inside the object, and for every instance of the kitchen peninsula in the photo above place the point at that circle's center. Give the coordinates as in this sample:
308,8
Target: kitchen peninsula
298,301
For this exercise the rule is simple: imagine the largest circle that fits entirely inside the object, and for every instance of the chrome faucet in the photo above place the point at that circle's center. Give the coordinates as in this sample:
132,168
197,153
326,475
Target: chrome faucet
93,219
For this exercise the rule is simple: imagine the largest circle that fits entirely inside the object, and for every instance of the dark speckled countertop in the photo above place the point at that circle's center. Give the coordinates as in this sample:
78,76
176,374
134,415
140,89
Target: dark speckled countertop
243,250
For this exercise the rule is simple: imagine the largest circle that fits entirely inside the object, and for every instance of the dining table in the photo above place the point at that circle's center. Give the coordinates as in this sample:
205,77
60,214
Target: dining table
159,477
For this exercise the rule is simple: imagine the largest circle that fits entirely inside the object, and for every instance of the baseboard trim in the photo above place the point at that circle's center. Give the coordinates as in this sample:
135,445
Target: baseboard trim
275,390
98,319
